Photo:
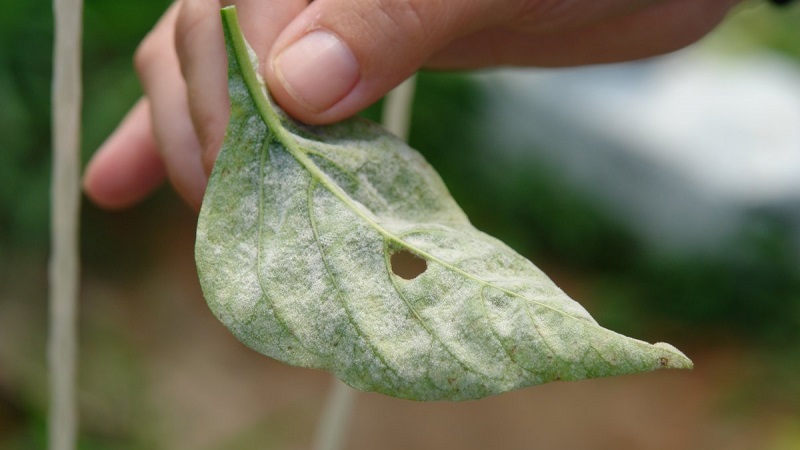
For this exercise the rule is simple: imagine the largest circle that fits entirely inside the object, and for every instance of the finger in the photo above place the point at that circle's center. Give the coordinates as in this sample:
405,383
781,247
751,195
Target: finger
339,56
656,30
158,68
560,15
263,21
201,51
127,167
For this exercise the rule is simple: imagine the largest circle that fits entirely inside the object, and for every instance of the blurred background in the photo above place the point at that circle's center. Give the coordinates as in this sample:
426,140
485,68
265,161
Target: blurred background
663,195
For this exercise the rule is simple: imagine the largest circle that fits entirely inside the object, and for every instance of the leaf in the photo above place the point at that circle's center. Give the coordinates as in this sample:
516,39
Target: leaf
299,243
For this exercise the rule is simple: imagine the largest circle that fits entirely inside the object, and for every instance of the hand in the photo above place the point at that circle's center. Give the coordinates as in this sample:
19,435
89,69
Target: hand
327,60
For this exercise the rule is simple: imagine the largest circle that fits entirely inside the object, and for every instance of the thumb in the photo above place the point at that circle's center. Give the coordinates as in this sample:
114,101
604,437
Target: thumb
339,56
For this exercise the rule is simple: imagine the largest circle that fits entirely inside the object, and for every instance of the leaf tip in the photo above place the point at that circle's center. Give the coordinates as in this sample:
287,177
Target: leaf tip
672,358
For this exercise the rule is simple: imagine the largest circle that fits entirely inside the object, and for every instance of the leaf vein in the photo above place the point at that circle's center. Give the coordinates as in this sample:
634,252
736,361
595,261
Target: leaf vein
259,254
497,336
339,293
422,322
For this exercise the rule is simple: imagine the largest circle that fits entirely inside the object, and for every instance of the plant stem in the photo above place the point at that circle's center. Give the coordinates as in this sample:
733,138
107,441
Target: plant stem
62,345
396,114
330,433
335,417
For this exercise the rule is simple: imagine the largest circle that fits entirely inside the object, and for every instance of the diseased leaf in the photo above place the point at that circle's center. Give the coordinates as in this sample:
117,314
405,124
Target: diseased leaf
340,248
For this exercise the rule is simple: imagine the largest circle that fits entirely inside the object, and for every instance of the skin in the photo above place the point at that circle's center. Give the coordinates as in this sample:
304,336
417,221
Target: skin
176,129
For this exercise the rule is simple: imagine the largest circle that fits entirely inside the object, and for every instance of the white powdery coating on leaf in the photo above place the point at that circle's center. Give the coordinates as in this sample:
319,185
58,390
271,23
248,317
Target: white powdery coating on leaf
294,250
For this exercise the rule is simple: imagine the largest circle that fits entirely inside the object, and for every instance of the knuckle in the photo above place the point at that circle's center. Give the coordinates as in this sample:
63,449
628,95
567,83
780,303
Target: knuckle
210,130
146,54
190,21
546,15
414,18
422,22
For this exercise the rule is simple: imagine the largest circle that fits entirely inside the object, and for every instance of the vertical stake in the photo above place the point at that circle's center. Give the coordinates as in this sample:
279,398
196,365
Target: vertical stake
64,225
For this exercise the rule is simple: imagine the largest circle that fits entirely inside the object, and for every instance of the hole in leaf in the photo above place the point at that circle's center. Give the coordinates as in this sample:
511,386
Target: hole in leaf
407,265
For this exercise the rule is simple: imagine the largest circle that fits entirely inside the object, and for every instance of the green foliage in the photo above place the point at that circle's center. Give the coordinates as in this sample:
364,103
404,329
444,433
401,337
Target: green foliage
24,121
754,288
112,31
766,26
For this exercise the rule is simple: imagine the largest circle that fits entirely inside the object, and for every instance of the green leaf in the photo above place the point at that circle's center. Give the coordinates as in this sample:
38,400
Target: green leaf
300,244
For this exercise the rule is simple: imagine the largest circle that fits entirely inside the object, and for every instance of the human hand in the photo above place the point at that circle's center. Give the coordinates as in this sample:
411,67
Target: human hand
327,60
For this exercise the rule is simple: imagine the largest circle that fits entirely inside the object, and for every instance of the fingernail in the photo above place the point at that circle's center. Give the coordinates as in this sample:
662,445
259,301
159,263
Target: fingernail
317,70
